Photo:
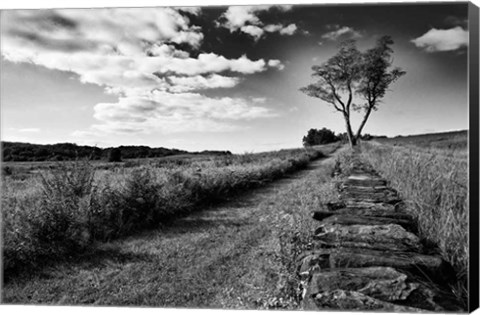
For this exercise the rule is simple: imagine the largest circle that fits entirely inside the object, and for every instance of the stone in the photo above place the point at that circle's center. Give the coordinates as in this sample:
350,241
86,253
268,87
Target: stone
364,185
434,267
351,300
345,218
385,197
384,283
370,203
367,182
389,237
378,212
375,206
368,191
332,206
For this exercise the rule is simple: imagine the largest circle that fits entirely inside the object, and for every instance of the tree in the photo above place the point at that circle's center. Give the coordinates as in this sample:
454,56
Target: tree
351,72
115,155
316,137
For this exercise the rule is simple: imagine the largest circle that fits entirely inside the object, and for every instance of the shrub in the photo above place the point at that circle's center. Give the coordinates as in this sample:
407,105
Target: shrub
317,137
115,155
51,220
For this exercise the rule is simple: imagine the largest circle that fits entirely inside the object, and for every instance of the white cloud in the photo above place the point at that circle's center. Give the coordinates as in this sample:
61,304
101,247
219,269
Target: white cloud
283,30
130,53
180,112
442,40
252,30
259,100
276,64
340,32
191,10
121,31
289,30
245,19
272,28
238,16
191,83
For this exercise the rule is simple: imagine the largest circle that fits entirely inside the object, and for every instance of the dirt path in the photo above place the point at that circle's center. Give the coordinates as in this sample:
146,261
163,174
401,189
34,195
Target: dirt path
228,256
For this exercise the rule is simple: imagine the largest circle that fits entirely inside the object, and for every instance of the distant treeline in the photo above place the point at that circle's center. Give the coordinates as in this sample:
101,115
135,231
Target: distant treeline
18,151
325,136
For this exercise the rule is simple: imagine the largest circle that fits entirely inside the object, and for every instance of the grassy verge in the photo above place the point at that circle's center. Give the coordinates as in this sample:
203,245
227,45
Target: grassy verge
64,211
434,184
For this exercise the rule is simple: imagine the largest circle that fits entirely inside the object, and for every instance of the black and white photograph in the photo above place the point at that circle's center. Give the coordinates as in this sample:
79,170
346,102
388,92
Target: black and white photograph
294,157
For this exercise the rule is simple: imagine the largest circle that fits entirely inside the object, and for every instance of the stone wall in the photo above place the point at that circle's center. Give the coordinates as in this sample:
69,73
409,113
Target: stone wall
366,254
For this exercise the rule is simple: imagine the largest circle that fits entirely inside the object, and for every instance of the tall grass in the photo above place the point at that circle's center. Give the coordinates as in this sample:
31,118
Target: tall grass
434,183
64,210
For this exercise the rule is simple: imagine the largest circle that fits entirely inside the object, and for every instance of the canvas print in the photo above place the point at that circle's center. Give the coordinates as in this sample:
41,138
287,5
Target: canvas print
265,157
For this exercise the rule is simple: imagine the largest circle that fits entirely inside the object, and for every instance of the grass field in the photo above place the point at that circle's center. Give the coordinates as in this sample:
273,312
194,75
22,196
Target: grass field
62,211
120,234
24,170
238,254
433,181
447,141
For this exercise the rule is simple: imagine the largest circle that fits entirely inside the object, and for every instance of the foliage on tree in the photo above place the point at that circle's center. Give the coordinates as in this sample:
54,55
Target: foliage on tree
115,155
351,72
316,137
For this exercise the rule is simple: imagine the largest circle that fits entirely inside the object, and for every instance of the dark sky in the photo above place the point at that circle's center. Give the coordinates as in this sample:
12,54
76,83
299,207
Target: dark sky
225,78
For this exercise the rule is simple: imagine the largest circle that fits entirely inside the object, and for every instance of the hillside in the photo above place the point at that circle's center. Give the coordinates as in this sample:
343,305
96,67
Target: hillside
441,140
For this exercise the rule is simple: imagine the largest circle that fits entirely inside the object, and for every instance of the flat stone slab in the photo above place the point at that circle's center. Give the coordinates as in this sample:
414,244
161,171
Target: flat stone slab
384,283
380,283
365,182
362,177
367,190
388,237
377,212
370,203
345,218
320,259
364,188
373,198
365,212
334,206
352,300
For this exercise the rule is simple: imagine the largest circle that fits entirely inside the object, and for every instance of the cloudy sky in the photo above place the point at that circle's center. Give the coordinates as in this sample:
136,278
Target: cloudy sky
219,77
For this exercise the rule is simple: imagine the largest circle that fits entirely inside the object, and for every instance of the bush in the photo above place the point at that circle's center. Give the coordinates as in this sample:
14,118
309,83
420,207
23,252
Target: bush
52,220
317,137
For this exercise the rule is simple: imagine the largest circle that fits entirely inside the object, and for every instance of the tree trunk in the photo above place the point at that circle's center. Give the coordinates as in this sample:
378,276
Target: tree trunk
365,118
351,138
